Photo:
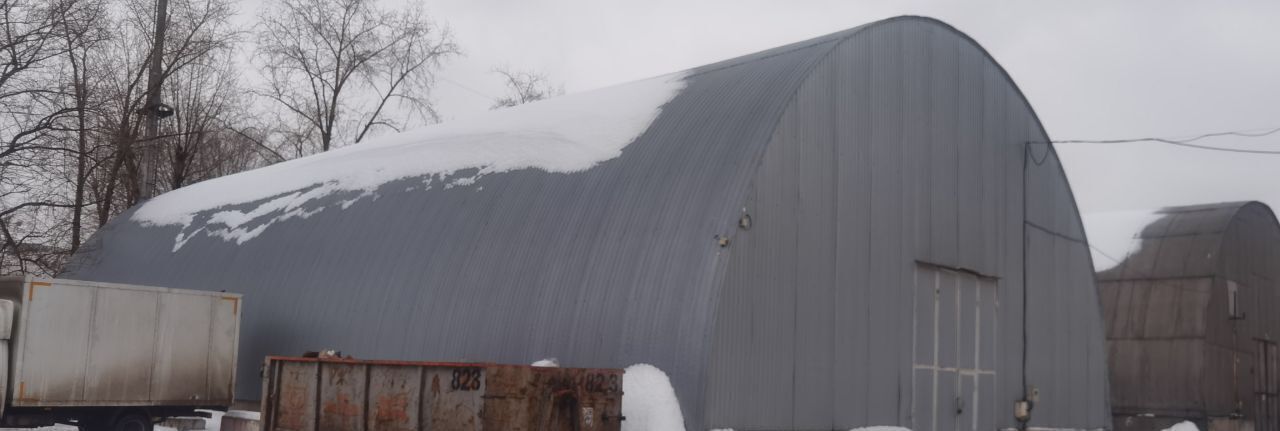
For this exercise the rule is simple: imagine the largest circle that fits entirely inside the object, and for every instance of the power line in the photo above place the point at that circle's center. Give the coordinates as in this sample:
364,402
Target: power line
1188,141
1103,253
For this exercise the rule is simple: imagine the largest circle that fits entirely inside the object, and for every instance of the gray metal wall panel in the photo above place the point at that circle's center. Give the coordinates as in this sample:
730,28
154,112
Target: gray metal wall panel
943,146
815,169
901,295
971,153
886,224
853,324
898,138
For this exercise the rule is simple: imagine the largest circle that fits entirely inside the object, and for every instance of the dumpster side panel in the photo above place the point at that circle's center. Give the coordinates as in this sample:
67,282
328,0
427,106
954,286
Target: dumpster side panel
342,396
304,394
293,388
395,393
454,398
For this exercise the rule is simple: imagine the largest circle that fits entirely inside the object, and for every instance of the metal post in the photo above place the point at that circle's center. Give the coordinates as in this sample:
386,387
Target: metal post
155,78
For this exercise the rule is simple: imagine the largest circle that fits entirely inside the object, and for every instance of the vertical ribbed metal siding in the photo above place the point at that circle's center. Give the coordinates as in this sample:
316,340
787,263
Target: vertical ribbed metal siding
926,146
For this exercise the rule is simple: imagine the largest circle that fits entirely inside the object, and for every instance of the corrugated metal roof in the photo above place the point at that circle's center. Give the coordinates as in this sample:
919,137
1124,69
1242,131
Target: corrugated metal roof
1181,242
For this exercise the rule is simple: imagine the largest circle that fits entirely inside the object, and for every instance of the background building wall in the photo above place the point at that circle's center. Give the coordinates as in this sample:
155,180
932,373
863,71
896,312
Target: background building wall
1176,349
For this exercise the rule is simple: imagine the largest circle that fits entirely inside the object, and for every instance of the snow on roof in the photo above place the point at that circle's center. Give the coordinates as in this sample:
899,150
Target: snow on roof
565,134
1114,235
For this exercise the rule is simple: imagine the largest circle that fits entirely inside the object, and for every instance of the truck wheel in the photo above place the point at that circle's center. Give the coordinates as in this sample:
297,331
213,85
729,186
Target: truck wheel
132,422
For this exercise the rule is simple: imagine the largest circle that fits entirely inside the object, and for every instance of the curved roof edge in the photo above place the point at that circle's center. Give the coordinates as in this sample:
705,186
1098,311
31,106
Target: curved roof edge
1176,241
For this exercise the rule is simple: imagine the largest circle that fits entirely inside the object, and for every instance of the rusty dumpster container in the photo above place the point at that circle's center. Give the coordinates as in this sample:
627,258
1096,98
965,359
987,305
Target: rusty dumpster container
312,394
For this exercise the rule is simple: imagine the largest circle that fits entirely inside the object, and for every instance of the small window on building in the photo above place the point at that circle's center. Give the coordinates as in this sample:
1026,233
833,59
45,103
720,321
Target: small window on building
1233,305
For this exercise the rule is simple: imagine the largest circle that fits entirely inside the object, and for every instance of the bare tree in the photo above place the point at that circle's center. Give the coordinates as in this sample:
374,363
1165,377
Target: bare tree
524,86
197,30
34,109
82,33
327,60
73,85
204,142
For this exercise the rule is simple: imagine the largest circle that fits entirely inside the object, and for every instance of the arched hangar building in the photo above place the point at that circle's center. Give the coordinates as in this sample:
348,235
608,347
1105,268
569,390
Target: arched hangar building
866,228
1190,297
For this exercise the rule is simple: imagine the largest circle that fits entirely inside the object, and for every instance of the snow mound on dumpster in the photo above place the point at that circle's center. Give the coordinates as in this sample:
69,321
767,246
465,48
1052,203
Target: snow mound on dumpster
648,400
1183,426
547,363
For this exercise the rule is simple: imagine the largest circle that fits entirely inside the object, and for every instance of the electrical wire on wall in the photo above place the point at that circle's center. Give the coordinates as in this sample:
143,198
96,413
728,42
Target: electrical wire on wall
1028,157
1034,158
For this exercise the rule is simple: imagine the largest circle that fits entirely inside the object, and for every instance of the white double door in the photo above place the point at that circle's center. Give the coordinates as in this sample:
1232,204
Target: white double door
954,375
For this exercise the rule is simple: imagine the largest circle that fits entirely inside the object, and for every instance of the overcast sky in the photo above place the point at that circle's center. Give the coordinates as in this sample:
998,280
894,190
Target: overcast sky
1091,69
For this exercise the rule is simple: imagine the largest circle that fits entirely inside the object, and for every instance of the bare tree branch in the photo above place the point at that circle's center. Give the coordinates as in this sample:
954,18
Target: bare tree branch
524,87
328,60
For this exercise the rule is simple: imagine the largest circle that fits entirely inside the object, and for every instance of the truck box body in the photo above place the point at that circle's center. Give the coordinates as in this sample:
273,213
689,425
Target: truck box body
310,394
85,344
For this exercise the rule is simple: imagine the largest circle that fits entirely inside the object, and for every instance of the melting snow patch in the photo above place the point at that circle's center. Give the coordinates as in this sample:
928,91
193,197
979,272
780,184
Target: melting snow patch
549,363
1113,236
565,134
214,422
1183,426
648,401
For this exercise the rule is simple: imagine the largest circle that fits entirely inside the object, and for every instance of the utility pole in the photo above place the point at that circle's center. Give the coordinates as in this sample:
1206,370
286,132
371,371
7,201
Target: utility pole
154,109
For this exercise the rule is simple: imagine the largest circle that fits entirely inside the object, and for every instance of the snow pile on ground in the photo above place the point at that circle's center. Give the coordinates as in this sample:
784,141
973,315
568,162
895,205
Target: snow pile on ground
214,422
1183,426
548,363
1113,236
564,134
648,400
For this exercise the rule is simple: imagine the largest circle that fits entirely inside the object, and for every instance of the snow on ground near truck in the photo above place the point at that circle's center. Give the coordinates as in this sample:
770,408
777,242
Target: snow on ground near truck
1113,236
214,423
565,134
648,401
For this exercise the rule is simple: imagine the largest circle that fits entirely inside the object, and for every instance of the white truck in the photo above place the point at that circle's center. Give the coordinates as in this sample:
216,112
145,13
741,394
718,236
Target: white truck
106,356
